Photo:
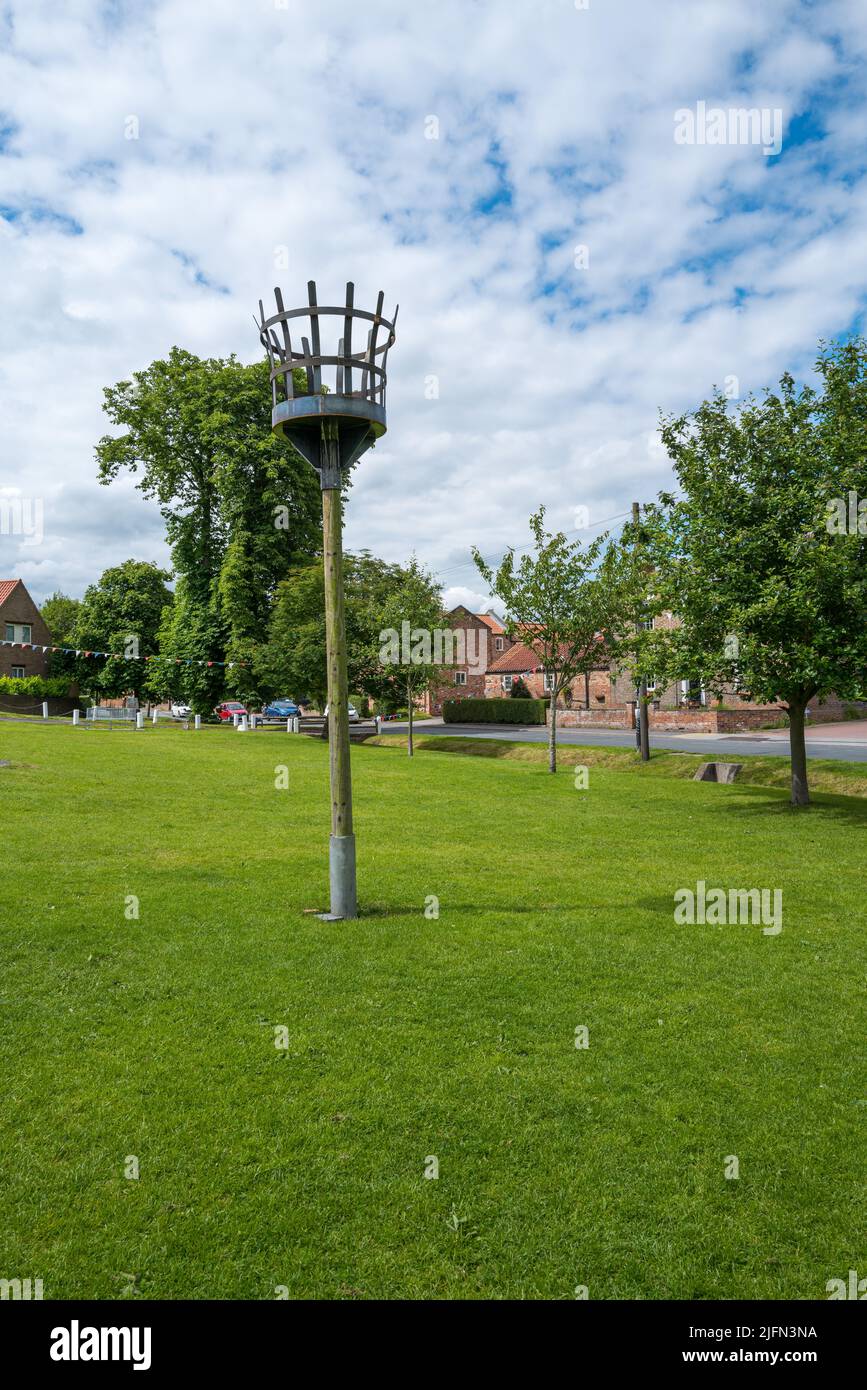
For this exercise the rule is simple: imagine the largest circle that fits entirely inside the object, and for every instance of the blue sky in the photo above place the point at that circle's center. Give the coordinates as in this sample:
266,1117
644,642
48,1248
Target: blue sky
160,161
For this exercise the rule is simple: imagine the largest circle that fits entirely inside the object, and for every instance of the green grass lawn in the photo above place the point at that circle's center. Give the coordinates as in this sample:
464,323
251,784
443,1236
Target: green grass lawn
408,1036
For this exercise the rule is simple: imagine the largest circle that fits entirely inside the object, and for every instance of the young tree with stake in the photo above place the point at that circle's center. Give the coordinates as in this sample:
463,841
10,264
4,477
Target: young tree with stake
565,603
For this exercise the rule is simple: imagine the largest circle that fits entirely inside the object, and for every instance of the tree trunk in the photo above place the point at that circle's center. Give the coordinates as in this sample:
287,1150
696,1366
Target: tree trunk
552,734
798,753
409,712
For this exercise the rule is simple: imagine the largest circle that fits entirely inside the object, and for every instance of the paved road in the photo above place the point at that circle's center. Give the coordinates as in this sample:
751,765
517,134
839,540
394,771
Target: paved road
772,743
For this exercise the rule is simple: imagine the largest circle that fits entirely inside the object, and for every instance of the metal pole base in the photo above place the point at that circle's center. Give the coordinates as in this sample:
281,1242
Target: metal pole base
341,873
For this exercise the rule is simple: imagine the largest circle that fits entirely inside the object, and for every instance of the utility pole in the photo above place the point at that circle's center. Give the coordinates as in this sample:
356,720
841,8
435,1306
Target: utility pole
643,731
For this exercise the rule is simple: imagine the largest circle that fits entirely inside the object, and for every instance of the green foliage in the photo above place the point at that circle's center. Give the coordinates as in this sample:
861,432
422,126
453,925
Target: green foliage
40,687
60,614
519,689
566,602
770,599
496,711
121,614
292,662
241,507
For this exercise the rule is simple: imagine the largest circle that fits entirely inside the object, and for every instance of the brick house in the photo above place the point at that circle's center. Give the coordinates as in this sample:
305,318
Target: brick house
21,623
484,639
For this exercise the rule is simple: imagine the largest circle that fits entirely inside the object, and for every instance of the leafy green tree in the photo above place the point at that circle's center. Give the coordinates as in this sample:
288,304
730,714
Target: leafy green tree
60,613
293,661
241,507
413,611
121,614
566,603
771,596
193,639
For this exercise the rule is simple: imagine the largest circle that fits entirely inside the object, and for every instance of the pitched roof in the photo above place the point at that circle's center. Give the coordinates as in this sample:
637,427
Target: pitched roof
491,621
6,587
488,619
517,658
523,658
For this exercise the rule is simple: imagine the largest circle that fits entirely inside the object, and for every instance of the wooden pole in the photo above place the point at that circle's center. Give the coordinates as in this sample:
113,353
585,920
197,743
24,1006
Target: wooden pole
342,843
643,717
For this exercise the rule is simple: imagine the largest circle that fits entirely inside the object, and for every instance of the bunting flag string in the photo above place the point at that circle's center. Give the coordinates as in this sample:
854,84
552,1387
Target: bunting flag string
118,656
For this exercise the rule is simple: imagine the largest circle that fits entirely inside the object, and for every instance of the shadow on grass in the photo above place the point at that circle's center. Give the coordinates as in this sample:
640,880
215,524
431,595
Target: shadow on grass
774,802
511,910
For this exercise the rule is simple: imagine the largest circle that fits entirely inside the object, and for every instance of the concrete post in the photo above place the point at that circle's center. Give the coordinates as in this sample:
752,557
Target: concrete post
76,714
198,721
139,719
44,709
154,717
242,724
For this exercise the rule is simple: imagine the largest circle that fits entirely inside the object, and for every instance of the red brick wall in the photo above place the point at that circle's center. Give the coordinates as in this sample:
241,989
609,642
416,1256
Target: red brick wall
475,687
20,608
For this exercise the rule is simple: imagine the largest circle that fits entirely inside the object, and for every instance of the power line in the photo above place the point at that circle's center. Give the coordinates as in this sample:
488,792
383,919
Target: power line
517,550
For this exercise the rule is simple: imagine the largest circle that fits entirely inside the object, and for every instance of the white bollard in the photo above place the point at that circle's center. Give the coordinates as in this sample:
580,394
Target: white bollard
242,724
378,730
236,719
154,717
289,725
253,722
44,709
198,722
75,717
139,719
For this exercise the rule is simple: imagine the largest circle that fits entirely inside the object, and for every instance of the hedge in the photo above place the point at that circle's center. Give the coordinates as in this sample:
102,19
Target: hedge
40,687
494,711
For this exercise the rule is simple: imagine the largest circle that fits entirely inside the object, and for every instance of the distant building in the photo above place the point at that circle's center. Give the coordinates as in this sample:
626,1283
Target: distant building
22,625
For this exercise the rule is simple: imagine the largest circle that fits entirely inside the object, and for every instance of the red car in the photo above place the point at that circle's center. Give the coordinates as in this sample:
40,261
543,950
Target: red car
228,709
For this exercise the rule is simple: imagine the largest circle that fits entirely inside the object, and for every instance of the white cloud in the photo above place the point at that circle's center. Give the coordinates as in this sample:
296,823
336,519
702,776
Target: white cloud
304,127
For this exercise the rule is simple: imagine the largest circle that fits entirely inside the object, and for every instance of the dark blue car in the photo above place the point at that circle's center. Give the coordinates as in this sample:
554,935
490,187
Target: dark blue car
280,709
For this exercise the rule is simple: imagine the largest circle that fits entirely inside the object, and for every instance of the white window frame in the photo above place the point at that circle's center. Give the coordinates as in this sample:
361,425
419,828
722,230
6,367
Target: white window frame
508,682
498,644
550,684
10,632
460,677
18,673
28,628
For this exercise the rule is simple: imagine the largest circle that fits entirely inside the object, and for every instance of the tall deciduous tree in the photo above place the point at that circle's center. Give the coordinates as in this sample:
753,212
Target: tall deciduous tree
60,614
771,594
565,602
293,661
121,615
240,505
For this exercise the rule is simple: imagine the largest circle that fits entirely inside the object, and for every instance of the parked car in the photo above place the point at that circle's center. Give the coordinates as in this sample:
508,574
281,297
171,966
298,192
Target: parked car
181,711
228,709
280,709
353,714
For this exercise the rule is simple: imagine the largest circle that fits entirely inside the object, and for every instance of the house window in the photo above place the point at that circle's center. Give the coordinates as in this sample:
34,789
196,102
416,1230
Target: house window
26,632
550,681
10,632
460,677
507,682
498,644
18,673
